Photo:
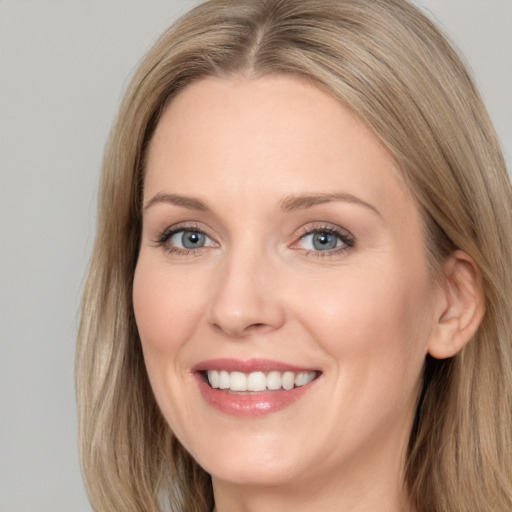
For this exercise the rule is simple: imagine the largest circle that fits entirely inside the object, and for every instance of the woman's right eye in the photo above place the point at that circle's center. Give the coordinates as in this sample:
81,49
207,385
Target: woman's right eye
185,240
190,239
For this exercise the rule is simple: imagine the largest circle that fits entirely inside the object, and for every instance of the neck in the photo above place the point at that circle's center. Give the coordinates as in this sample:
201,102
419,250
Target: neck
285,501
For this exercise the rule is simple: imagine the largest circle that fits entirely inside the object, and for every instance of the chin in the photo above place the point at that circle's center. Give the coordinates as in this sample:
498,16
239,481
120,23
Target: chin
246,473
258,462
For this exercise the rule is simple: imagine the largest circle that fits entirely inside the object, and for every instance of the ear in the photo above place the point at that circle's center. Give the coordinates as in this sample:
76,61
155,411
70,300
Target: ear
461,306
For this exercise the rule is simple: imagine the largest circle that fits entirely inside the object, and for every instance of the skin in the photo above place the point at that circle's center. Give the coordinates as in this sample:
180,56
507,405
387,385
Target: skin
365,315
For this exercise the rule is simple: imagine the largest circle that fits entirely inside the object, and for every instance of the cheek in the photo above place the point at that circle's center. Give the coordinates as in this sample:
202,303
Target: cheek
167,311
374,323
167,306
375,334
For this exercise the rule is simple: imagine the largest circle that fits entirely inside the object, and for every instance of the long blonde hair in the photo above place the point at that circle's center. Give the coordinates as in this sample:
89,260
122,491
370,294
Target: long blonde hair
389,64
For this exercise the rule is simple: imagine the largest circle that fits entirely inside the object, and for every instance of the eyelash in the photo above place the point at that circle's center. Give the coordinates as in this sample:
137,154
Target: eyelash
343,235
163,238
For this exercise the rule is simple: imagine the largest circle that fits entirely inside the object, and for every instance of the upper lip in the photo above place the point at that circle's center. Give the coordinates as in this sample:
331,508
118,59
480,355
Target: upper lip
249,366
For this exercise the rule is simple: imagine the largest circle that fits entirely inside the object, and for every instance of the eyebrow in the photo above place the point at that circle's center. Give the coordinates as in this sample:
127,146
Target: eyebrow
190,203
301,202
288,204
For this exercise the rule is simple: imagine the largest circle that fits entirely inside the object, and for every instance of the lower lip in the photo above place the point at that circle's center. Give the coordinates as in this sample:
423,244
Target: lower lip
250,405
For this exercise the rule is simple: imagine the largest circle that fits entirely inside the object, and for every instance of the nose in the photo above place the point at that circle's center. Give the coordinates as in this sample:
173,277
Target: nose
246,298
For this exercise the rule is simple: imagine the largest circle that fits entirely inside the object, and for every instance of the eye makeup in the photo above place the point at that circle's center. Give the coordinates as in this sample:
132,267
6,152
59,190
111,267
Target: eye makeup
315,240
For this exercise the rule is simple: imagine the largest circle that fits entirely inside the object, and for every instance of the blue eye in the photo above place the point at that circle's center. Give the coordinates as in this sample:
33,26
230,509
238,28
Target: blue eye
189,239
322,241
325,240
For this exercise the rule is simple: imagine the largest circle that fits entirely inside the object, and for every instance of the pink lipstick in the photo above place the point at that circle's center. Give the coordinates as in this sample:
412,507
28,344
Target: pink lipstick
253,387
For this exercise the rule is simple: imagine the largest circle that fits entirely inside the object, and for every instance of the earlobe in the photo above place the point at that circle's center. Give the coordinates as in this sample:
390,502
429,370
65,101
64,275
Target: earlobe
462,306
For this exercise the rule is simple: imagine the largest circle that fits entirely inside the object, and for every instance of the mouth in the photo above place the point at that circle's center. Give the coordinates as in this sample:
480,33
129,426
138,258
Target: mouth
257,381
252,388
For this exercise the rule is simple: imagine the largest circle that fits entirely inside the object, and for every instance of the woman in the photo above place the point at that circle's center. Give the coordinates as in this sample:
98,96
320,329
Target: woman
299,296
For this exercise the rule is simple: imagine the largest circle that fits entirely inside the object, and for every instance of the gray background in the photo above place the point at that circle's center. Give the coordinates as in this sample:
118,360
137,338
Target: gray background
63,67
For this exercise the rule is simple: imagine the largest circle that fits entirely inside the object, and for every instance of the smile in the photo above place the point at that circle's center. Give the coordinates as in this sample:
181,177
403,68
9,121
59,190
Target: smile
252,388
258,381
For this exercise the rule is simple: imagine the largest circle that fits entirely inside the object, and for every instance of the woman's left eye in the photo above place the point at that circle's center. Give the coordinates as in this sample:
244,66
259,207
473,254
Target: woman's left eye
325,240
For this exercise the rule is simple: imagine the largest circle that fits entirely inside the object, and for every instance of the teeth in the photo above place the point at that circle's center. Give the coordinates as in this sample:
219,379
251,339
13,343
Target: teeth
274,380
223,380
258,381
288,380
301,379
214,379
237,381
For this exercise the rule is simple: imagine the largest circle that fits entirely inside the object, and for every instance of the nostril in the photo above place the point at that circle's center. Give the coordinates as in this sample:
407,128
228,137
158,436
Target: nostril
255,326
241,331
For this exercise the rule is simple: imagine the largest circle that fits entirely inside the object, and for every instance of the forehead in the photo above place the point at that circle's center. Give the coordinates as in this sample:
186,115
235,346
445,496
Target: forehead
253,137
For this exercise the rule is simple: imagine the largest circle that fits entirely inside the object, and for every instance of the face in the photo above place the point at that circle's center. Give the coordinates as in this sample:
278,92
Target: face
282,293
